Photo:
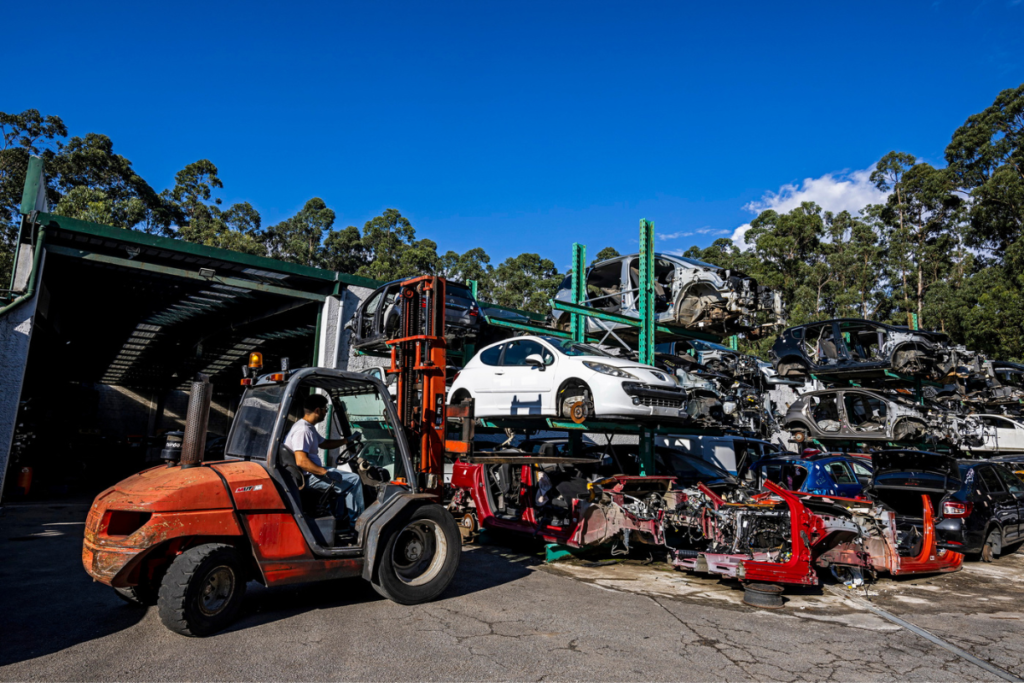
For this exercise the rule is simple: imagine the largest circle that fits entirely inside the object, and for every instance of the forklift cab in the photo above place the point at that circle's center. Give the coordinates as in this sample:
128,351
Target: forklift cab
359,405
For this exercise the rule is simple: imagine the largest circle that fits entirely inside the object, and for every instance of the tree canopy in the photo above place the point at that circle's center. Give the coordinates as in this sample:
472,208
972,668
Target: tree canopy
947,244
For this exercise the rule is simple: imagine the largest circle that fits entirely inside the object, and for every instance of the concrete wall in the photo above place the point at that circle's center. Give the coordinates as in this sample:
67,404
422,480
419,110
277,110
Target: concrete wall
15,336
339,311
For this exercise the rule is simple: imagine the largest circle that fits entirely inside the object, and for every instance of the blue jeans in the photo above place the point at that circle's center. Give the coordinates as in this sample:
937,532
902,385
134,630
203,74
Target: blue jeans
349,488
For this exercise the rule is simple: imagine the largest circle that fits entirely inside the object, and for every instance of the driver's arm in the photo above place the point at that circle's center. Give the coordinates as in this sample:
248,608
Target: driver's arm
307,465
331,444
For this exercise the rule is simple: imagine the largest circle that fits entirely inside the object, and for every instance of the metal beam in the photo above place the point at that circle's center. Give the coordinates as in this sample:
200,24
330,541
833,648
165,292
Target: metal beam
648,316
633,322
532,329
187,274
577,322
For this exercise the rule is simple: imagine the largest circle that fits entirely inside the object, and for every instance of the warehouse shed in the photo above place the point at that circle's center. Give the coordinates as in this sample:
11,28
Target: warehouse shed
108,327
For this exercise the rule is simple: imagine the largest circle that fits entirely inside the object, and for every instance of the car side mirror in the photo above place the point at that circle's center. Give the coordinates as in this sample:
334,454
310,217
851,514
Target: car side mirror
536,360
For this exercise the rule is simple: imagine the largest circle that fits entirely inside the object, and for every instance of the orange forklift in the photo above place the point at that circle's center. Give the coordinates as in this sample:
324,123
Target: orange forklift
187,536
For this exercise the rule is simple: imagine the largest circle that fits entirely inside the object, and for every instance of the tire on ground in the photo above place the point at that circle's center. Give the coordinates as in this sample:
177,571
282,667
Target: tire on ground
202,590
420,555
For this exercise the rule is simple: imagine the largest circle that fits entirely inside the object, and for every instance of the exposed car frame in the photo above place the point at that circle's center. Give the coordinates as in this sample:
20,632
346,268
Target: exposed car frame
690,293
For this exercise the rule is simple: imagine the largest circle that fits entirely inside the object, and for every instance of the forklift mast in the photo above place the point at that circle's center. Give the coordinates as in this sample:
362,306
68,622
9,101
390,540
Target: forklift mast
419,358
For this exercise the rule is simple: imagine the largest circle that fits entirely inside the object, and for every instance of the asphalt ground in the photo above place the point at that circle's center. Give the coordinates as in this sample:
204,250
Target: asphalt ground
507,616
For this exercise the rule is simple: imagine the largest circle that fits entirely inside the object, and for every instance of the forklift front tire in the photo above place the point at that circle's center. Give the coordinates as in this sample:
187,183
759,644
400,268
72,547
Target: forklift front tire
421,554
202,590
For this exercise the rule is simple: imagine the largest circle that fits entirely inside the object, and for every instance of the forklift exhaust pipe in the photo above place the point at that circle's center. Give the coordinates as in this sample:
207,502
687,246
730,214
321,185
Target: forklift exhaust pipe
196,422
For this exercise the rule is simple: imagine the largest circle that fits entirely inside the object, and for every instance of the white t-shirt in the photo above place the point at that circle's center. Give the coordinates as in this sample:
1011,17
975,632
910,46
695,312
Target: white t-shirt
304,437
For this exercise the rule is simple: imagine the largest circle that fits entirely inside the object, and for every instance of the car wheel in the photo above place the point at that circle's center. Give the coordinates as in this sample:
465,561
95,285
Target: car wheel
574,402
993,546
421,554
202,590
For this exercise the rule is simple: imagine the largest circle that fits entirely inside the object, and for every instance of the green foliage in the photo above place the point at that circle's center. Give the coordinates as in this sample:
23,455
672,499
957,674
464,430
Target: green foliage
526,282
299,239
605,254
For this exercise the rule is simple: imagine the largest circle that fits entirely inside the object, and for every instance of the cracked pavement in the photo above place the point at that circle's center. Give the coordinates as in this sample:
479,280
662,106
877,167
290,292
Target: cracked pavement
506,617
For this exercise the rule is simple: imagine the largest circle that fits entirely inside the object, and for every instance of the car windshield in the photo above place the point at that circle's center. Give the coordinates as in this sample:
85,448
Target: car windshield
709,346
688,467
571,348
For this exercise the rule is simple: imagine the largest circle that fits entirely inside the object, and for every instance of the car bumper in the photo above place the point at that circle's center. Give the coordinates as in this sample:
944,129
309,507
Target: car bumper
636,399
950,534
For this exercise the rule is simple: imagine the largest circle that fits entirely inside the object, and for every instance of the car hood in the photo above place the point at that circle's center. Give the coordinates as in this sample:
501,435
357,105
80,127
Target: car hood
907,462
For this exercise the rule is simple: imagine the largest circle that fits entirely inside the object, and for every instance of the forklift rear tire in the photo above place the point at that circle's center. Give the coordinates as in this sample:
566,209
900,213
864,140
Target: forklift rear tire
202,590
143,596
421,555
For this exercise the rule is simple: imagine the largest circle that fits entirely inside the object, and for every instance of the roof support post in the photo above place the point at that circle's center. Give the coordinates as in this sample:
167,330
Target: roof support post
577,322
646,452
646,293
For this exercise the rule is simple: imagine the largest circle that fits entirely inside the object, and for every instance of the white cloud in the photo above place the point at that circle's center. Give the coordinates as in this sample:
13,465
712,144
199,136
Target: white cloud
833,192
674,235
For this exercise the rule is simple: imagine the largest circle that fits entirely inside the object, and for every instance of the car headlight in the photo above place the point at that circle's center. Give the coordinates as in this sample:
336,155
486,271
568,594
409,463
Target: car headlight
608,370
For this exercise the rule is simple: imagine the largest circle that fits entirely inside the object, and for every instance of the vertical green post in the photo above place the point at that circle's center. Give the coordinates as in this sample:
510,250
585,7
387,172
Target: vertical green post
578,323
575,444
648,317
733,343
646,293
646,452
913,322
473,285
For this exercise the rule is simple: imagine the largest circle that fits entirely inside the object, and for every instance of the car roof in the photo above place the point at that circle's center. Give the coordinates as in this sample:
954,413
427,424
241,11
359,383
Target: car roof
667,257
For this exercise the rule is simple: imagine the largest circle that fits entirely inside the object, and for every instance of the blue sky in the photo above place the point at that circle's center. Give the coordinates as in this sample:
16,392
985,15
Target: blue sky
518,126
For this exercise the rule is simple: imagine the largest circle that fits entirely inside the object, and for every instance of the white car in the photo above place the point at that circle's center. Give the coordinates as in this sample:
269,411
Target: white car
547,376
1002,435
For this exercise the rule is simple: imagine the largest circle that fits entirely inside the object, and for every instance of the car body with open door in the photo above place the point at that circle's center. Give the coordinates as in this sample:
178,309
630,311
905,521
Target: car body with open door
189,536
985,516
544,376
378,317
864,415
855,347
687,292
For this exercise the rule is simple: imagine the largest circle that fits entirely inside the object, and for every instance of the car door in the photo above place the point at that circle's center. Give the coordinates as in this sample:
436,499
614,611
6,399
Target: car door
482,381
844,481
1003,434
365,316
527,387
1015,488
999,503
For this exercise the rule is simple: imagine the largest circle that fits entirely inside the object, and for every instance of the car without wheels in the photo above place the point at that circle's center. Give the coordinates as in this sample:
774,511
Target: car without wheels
850,346
687,292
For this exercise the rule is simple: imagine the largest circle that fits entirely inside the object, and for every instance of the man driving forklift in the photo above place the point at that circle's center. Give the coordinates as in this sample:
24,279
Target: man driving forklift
306,442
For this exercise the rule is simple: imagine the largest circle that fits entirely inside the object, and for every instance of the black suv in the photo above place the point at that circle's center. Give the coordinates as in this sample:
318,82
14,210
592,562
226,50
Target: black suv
986,514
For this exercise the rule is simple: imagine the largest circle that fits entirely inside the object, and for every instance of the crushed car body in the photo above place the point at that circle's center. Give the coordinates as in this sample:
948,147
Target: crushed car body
689,293
851,346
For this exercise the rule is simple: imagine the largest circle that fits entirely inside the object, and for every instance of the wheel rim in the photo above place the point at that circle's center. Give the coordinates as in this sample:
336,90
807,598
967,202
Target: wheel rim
216,591
419,552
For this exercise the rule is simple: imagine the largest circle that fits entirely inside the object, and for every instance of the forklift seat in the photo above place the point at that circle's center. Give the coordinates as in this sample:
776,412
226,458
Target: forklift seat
310,502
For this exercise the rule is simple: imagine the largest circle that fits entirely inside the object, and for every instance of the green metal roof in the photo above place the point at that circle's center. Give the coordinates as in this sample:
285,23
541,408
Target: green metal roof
214,253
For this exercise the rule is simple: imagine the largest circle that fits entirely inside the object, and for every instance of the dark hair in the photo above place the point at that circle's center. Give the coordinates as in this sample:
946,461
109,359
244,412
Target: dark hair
314,401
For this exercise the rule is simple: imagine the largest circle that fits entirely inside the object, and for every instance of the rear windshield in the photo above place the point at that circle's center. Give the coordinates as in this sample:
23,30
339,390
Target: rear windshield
458,290
254,422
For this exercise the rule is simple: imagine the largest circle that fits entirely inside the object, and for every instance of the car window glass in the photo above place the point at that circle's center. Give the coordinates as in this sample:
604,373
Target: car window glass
989,479
860,470
491,356
841,473
517,351
1010,480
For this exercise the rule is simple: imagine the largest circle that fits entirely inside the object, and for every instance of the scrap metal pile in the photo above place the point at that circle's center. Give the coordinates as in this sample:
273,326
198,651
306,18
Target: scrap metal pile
889,393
